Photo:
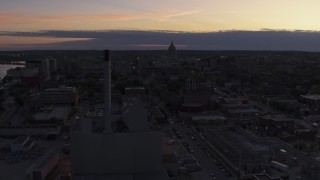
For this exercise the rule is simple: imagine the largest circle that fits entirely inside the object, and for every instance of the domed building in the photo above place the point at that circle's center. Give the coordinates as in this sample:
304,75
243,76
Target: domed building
172,51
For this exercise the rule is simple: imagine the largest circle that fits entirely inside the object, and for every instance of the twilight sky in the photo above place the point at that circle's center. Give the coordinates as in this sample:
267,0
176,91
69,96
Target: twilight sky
22,23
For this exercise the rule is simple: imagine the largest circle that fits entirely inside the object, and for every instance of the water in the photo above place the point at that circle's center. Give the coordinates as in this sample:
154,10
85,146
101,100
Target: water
5,67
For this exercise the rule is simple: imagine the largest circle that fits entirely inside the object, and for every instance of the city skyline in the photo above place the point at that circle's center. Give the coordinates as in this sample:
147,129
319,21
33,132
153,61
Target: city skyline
269,40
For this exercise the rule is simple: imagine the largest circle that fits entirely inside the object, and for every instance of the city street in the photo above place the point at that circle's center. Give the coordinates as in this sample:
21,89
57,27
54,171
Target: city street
202,154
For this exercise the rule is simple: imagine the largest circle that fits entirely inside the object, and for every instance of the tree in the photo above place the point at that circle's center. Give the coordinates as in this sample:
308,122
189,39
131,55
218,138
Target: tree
7,79
152,83
174,85
2,98
18,99
312,146
30,119
90,93
299,145
74,110
315,89
53,119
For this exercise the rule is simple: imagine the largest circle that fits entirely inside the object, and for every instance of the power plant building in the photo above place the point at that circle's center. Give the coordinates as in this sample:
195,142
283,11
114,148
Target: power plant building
135,154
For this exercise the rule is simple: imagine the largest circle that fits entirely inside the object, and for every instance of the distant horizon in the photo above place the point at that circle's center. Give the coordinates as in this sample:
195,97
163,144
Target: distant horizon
162,50
262,40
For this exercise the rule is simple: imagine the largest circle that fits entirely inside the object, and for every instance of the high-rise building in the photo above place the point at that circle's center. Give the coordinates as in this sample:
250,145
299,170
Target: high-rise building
52,65
42,65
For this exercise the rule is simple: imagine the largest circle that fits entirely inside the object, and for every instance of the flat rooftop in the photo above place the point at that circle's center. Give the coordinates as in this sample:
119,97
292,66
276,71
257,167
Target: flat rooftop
265,177
20,140
18,169
249,110
156,175
136,88
278,118
201,176
71,89
192,104
208,117
57,112
311,96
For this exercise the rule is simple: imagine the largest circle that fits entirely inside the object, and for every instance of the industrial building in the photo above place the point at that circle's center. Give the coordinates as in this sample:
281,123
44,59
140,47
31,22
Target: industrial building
135,91
268,157
311,99
57,114
22,143
275,125
134,154
63,95
20,130
41,169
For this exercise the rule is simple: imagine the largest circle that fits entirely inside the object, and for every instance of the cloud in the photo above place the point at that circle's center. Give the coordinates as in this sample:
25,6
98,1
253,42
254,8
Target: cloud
16,40
14,18
137,40
177,14
157,45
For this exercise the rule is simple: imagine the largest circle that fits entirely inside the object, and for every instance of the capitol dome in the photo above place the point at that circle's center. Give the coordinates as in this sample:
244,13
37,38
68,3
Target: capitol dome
172,47
172,50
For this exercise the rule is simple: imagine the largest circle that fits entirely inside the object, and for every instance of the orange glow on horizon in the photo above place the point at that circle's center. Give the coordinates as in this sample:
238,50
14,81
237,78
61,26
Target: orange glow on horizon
157,45
20,40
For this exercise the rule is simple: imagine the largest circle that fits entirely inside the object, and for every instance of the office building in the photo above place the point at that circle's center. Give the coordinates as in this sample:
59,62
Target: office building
63,95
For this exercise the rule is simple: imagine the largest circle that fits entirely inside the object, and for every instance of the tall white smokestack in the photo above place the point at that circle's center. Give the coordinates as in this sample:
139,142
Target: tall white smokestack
192,84
107,92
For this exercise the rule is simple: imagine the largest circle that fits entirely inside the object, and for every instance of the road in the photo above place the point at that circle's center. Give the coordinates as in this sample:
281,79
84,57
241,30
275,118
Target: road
208,163
75,123
201,153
